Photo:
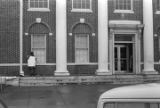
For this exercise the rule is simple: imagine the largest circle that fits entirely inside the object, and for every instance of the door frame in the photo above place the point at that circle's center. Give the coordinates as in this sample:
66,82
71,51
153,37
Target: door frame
136,48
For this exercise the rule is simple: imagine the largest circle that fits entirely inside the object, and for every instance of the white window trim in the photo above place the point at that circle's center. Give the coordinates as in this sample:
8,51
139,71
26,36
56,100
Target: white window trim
82,10
123,11
38,9
44,47
87,55
93,63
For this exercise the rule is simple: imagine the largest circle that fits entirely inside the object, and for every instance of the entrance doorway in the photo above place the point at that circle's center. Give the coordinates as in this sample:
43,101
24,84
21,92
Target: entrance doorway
125,47
123,58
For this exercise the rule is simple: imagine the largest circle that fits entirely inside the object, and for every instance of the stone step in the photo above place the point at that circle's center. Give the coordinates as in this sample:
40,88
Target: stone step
56,80
112,79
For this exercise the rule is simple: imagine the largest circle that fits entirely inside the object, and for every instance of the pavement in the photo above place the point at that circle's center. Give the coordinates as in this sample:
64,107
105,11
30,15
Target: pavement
58,96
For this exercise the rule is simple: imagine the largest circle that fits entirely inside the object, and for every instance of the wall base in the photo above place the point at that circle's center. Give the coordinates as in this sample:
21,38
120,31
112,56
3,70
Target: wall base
149,72
58,73
103,72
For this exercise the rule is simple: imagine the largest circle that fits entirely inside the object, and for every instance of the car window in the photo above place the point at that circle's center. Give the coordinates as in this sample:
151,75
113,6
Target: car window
131,105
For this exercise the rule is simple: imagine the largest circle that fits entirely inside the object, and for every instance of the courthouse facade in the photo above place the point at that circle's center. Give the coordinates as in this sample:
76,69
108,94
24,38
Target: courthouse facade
80,37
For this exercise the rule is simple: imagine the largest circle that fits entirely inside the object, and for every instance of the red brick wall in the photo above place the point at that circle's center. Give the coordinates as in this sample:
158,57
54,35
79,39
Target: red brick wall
82,69
73,18
49,19
9,70
9,31
156,23
9,34
42,70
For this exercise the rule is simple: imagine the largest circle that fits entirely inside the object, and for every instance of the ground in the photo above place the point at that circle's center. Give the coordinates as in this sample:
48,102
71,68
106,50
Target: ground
58,96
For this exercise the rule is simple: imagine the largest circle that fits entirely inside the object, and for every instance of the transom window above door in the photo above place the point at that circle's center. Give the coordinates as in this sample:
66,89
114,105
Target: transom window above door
38,5
81,6
123,6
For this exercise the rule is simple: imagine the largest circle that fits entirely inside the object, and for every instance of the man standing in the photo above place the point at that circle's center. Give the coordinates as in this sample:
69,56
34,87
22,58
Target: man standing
32,64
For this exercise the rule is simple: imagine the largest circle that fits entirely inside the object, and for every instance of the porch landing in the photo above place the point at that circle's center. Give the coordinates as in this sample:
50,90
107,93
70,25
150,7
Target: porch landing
56,80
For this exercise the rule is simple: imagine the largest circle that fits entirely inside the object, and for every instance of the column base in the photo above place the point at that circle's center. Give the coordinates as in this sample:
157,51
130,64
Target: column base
60,73
147,72
21,73
103,72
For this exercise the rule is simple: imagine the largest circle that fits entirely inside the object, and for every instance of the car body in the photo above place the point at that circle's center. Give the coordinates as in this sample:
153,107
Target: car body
135,96
2,104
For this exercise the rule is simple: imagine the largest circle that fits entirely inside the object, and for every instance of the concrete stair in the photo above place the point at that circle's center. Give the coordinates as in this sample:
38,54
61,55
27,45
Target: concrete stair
113,79
57,80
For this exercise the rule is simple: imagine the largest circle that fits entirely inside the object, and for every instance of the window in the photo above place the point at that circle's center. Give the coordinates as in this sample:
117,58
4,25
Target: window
81,5
124,6
131,105
38,5
38,46
158,6
81,48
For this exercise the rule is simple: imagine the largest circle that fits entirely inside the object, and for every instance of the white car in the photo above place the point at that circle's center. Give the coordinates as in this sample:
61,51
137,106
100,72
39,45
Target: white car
135,96
2,104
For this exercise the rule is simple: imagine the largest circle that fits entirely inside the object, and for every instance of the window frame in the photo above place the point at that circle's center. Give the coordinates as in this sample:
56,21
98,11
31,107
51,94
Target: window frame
115,104
45,47
156,6
88,60
123,10
81,9
38,9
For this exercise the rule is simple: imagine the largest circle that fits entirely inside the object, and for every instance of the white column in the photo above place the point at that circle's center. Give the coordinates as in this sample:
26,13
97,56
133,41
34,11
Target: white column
103,38
61,38
21,37
148,37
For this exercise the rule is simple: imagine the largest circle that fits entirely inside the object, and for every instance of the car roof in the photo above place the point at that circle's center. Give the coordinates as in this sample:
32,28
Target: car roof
140,91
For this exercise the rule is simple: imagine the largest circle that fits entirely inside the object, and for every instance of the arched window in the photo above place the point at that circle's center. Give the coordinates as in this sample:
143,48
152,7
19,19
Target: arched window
81,35
38,46
38,41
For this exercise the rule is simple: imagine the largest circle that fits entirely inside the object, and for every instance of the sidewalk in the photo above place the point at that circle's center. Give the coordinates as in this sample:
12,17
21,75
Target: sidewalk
60,96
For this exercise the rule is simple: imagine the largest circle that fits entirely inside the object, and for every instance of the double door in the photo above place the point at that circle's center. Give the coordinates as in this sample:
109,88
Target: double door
121,56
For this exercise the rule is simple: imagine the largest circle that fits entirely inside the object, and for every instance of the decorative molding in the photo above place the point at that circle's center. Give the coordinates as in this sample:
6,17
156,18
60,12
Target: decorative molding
70,34
26,34
93,34
38,20
82,20
50,34
111,32
139,33
155,35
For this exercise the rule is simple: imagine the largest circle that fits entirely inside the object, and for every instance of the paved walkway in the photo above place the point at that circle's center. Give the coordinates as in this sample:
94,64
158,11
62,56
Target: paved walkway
60,96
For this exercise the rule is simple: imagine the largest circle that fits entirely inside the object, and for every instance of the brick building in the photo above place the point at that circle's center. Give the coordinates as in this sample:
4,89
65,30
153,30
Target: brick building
80,37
